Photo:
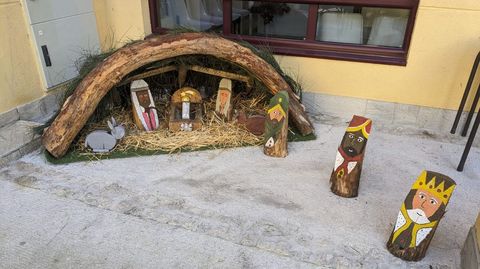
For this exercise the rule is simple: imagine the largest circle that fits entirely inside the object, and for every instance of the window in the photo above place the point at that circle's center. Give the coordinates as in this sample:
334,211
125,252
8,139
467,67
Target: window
375,31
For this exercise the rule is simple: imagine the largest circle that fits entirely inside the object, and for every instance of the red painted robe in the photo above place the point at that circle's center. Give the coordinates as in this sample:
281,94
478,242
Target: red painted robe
344,164
149,117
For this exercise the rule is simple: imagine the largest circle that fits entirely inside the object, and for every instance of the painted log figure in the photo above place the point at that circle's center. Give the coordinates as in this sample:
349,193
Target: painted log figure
419,215
345,178
276,126
185,110
144,112
224,95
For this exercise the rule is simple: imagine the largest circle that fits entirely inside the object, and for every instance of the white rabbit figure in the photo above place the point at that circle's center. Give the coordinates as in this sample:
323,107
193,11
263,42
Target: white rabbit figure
102,141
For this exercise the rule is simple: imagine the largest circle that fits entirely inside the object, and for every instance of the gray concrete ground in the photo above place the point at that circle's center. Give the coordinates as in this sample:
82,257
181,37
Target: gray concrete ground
231,208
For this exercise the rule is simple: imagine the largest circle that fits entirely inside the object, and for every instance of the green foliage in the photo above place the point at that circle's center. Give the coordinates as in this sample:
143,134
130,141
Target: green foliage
73,156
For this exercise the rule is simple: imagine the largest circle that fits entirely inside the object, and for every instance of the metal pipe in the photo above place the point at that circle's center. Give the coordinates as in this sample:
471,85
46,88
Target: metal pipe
471,112
469,143
465,94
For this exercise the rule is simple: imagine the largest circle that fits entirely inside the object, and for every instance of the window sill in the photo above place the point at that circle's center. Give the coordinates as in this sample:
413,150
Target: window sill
328,50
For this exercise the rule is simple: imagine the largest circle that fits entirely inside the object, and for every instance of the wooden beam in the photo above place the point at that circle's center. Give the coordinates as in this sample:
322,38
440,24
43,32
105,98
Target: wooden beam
219,73
147,74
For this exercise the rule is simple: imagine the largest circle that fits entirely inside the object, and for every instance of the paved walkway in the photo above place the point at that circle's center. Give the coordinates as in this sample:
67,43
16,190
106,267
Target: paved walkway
228,208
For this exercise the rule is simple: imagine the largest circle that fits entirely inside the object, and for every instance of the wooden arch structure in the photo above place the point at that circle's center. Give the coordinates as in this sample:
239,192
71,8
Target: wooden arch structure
82,103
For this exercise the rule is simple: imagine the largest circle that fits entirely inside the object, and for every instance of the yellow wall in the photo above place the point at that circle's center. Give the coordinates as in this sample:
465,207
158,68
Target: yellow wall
120,21
20,80
445,42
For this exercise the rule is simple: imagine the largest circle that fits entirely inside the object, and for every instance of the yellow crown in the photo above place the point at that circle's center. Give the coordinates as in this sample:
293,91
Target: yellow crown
439,191
361,127
279,107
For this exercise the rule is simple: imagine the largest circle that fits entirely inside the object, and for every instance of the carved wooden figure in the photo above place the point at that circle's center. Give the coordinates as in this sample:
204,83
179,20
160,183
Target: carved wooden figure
345,178
144,112
419,216
276,126
223,104
185,110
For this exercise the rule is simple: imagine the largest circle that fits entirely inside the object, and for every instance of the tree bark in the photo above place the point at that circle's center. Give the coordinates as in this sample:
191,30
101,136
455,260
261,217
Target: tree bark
415,226
280,148
345,178
276,127
411,254
80,106
347,185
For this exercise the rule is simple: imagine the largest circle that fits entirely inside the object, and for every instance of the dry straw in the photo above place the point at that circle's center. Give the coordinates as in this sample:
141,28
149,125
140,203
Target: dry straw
215,133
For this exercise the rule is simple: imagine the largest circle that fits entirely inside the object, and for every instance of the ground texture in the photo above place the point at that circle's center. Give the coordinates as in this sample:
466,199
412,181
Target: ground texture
231,208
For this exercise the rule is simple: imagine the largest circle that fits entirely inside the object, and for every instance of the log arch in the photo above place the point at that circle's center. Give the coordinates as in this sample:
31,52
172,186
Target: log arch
82,103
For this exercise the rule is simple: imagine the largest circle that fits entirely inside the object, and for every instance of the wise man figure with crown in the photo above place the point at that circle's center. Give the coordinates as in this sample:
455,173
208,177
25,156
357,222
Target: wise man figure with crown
276,126
345,178
419,215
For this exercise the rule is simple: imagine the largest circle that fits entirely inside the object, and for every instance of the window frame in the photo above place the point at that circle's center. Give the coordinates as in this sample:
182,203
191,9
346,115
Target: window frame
310,47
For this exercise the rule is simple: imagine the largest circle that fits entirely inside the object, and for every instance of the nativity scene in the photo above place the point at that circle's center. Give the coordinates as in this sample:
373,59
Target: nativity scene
202,98
206,97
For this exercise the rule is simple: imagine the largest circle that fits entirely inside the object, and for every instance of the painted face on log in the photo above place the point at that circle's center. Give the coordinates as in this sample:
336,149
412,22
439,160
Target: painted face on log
424,205
143,98
353,143
276,114
426,202
428,198
224,96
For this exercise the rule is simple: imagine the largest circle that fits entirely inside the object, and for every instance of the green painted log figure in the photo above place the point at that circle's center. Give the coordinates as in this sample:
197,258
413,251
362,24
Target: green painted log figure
276,126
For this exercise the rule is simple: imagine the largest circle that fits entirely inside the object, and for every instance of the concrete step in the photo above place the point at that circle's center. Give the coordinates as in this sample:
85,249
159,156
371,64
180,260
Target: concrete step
470,254
17,139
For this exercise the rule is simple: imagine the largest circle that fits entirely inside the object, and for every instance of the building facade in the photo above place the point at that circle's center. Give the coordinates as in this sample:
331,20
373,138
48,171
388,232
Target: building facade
442,45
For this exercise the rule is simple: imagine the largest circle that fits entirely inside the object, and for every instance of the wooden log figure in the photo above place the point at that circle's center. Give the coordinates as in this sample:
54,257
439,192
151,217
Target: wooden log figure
419,216
144,112
276,126
345,178
185,110
223,104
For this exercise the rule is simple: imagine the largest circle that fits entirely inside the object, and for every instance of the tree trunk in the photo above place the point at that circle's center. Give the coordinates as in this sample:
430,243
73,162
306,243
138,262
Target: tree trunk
411,254
80,106
420,216
345,178
276,126
280,148
346,185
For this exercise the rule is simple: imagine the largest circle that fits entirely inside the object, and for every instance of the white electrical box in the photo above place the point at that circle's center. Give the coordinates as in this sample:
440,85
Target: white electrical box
63,31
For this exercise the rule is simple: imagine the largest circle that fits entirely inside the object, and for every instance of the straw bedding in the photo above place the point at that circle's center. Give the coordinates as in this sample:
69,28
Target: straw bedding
215,133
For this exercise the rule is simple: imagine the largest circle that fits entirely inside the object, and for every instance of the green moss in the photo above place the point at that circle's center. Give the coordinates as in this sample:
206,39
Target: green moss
75,156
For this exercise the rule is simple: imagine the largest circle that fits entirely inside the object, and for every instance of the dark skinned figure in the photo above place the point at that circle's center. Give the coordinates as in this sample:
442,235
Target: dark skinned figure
419,215
345,177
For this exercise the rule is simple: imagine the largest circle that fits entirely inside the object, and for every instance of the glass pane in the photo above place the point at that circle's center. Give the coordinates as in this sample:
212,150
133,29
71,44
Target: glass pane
268,19
199,15
362,25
